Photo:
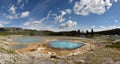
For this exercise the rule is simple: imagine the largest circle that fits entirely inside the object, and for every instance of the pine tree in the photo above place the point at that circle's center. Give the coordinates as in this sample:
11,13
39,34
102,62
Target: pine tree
92,32
87,33
78,32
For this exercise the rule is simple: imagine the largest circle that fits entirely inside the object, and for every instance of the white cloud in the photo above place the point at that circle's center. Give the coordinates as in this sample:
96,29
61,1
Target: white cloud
34,22
69,23
22,6
108,4
39,25
12,9
115,0
63,13
10,16
12,13
59,18
48,15
19,1
50,27
70,1
93,26
25,14
42,27
2,23
68,11
113,27
85,7
27,23
116,20
102,27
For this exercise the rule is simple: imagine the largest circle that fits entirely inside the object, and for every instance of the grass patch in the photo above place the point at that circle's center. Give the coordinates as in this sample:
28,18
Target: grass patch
78,62
7,51
114,45
10,51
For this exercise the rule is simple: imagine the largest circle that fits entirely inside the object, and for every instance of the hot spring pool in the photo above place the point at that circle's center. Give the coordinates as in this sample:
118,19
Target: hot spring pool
28,40
65,44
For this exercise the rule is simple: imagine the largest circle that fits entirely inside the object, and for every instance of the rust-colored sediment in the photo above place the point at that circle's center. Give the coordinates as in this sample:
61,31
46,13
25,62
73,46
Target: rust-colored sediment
34,47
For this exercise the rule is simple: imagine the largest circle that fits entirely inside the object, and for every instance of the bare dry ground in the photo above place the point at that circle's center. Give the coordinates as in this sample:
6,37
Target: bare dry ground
33,54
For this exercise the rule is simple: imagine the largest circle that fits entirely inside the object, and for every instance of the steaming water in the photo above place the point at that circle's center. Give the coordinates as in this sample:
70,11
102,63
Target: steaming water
28,40
25,40
65,44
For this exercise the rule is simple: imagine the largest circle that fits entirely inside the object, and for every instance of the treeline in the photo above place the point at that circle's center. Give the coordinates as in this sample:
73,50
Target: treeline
20,31
110,32
77,33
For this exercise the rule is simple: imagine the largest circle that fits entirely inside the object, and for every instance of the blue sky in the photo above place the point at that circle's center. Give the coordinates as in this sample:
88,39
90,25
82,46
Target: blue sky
60,15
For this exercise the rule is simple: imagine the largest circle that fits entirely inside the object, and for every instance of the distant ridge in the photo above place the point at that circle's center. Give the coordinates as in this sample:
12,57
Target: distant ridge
21,31
109,32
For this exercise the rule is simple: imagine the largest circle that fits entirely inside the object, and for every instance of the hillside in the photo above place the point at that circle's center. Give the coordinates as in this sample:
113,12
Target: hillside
109,32
20,31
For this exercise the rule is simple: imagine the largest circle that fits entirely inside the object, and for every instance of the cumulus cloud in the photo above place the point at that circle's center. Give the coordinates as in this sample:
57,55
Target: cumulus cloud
25,14
85,7
69,23
60,18
12,13
34,23
2,23
38,25
12,9
68,11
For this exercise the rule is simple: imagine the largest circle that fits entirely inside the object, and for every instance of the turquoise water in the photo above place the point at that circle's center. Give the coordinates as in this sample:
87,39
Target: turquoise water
18,46
28,40
65,44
